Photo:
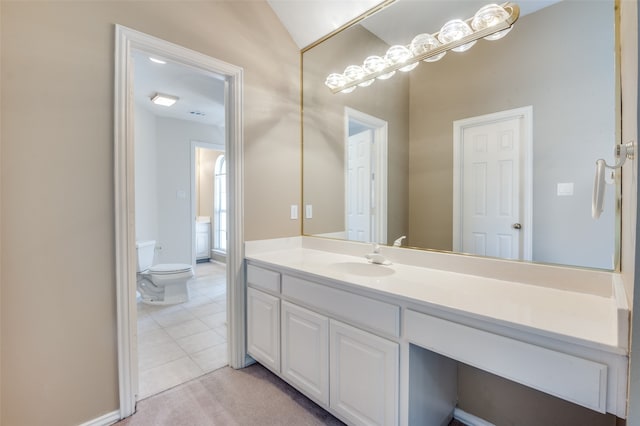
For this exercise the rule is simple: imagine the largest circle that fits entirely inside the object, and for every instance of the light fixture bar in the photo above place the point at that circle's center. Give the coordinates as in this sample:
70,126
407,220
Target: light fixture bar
514,13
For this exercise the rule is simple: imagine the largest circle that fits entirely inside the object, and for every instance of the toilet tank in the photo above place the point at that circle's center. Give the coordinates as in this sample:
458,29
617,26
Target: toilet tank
145,251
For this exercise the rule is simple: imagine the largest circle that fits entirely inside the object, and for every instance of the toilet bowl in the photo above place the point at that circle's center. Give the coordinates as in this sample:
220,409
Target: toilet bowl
161,284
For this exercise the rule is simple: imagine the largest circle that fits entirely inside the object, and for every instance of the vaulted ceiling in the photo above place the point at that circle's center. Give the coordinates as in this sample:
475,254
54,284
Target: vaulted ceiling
202,96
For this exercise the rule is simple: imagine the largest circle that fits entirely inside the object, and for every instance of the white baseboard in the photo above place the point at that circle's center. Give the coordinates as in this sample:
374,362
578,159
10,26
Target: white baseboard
469,419
105,420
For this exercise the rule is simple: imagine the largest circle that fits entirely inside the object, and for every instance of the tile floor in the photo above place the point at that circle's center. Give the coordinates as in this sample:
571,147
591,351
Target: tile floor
177,343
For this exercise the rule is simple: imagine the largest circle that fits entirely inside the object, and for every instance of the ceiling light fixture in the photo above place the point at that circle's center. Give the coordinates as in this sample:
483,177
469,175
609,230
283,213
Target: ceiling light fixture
491,22
164,100
157,61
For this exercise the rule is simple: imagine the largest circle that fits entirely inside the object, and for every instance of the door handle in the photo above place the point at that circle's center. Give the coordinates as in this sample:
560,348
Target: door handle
516,226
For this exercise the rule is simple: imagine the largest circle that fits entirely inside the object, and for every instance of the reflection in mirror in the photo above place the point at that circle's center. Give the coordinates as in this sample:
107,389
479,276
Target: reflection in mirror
490,151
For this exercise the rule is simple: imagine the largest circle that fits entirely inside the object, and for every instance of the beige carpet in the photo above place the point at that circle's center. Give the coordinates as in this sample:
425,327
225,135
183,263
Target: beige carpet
251,396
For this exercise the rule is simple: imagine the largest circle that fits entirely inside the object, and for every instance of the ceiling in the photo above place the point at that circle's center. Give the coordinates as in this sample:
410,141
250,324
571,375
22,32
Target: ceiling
201,95
309,20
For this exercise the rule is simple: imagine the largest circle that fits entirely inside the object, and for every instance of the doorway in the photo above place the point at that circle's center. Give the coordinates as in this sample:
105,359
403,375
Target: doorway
128,42
365,177
174,193
209,202
493,184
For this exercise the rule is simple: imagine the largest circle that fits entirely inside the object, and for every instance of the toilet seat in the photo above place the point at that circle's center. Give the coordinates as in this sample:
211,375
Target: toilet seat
169,268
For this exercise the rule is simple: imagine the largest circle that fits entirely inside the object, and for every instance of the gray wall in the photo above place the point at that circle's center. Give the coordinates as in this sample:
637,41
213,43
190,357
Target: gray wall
163,167
560,60
174,176
145,147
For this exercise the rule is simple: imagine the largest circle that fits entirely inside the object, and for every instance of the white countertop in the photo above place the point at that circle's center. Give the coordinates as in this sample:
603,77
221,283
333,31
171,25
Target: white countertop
583,318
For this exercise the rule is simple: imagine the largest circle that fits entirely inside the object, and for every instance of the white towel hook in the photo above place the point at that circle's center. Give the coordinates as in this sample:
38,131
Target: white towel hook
622,153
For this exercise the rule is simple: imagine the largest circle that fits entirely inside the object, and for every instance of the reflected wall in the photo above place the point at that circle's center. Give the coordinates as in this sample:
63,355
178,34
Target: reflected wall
559,60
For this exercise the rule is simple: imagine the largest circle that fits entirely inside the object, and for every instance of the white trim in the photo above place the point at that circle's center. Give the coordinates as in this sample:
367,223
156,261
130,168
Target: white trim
104,420
469,419
380,137
126,41
526,159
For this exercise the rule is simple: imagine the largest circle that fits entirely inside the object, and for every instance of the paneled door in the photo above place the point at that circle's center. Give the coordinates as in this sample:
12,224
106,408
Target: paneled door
359,180
263,328
492,189
363,376
305,350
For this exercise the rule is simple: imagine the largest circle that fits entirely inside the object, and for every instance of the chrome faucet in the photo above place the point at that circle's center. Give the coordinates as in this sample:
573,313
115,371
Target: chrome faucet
376,257
398,242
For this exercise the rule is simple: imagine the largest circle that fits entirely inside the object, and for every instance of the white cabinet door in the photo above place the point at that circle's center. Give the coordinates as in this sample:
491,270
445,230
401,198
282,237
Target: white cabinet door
263,328
305,351
363,376
203,240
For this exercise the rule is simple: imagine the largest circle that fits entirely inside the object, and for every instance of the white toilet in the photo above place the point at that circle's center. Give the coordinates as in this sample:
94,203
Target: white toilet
162,284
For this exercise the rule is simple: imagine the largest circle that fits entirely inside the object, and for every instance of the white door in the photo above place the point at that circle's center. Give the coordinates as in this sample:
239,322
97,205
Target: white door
491,181
363,376
305,351
263,328
359,177
492,184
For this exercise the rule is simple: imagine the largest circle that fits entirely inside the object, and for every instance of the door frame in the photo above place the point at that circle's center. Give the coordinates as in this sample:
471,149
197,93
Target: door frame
380,138
198,144
127,40
526,171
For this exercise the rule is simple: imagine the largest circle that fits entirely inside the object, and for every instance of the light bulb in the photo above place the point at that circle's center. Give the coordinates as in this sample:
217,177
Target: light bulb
399,55
374,64
348,89
455,30
335,81
355,72
489,16
425,43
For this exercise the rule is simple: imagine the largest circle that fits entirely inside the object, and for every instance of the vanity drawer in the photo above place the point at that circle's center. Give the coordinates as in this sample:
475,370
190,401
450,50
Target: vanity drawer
371,313
263,278
571,378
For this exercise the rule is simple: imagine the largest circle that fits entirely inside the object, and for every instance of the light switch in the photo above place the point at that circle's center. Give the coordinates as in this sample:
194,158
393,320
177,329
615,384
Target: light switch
308,212
565,189
294,211
181,194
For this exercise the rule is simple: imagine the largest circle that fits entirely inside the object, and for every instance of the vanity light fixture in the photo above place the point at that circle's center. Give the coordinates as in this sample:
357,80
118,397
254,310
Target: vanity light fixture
491,22
164,100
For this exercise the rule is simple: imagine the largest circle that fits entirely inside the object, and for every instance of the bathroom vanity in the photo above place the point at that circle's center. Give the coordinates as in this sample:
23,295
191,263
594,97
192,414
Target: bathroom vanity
203,240
379,344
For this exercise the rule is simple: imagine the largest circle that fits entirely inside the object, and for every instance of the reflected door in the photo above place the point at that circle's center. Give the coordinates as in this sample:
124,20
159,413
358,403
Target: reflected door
491,189
359,184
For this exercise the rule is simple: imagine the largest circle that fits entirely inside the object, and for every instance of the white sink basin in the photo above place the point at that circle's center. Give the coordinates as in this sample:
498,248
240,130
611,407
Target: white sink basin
363,269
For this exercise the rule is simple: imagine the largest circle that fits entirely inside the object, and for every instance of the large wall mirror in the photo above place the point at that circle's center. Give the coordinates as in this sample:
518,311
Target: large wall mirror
400,157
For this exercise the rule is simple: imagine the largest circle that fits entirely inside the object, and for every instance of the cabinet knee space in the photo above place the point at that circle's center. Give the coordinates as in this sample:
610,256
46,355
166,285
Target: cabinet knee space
433,387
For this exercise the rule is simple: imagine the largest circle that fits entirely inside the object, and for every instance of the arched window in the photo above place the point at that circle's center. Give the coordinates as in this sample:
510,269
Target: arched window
220,205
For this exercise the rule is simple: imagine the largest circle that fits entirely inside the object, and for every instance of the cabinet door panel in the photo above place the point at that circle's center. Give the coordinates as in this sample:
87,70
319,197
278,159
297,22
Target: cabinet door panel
263,328
305,351
363,376
202,245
